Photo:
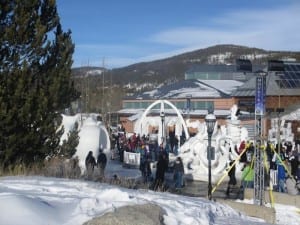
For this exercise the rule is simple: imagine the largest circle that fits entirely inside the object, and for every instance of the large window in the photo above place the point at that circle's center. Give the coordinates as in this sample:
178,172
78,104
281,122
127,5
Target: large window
181,105
138,105
203,75
202,104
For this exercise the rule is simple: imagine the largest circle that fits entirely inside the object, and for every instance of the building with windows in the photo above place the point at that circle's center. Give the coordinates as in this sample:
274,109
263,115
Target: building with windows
220,87
282,93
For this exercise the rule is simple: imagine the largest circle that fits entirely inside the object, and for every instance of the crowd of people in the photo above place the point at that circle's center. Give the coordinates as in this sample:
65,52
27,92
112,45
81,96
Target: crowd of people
282,162
281,165
152,155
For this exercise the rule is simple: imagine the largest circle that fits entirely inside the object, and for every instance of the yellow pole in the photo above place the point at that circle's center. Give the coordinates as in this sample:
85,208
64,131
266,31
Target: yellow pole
228,169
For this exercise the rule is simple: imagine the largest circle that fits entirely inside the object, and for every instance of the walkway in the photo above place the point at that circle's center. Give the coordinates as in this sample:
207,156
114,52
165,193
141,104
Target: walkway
200,189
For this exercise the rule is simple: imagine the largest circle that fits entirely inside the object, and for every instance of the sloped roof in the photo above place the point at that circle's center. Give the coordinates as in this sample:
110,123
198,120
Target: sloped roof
136,113
195,88
226,86
275,82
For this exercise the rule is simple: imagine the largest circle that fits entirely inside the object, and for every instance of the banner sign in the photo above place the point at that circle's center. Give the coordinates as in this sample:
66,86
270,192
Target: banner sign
260,95
131,158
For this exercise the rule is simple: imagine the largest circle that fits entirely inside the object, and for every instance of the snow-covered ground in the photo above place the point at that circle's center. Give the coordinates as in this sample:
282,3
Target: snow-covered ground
53,201
40,200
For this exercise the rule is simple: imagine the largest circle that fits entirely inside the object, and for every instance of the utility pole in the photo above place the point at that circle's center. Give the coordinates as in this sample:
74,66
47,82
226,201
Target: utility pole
102,99
87,90
110,100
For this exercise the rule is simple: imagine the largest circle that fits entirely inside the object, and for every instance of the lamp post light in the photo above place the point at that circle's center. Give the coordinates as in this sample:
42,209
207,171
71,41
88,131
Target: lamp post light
210,120
162,117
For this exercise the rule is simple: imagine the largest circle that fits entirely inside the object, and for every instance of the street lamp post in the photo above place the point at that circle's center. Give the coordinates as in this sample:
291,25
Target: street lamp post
210,120
162,116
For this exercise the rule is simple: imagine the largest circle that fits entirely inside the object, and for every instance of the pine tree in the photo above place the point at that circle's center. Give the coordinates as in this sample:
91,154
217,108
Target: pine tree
35,80
68,147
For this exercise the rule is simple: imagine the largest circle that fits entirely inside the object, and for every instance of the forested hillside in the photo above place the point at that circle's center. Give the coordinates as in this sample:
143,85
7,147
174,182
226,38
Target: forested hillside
112,85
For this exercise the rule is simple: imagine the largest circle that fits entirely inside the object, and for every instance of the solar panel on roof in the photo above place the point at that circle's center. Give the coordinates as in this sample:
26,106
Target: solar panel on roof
294,68
290,78
275,65
243,65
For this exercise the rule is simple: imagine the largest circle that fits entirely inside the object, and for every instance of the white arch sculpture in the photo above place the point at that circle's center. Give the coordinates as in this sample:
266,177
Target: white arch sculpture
161,102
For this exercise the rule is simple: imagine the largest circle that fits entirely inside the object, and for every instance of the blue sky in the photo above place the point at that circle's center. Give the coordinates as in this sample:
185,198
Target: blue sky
123,32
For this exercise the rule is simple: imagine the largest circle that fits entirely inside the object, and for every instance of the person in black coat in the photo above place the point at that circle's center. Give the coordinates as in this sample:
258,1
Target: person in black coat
178,172
172,139
294,161
101,162
161,168
145,169
90,163
232,178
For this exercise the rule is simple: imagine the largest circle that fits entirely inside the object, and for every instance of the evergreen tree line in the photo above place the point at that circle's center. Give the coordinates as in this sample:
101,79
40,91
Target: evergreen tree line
35,82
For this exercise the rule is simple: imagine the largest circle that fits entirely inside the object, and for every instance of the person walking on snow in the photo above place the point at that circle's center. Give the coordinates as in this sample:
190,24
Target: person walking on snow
90,163
232,178
101,162
161,167
178,172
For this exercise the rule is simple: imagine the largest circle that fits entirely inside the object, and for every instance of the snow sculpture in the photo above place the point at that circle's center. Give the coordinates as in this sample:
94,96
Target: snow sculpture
224,140
233,115
234,129
92,135
285,132
141,125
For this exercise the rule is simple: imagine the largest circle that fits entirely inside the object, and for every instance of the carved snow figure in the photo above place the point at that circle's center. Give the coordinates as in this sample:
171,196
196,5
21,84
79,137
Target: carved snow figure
225,139
194,151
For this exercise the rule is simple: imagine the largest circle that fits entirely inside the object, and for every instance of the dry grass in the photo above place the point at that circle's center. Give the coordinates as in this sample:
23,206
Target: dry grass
69,168
55,167
62,168
21,169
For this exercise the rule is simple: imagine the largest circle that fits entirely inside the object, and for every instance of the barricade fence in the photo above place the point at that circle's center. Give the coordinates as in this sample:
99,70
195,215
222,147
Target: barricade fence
132,158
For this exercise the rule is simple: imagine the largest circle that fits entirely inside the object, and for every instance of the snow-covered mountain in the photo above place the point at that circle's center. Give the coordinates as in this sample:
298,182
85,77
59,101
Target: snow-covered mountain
173,68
